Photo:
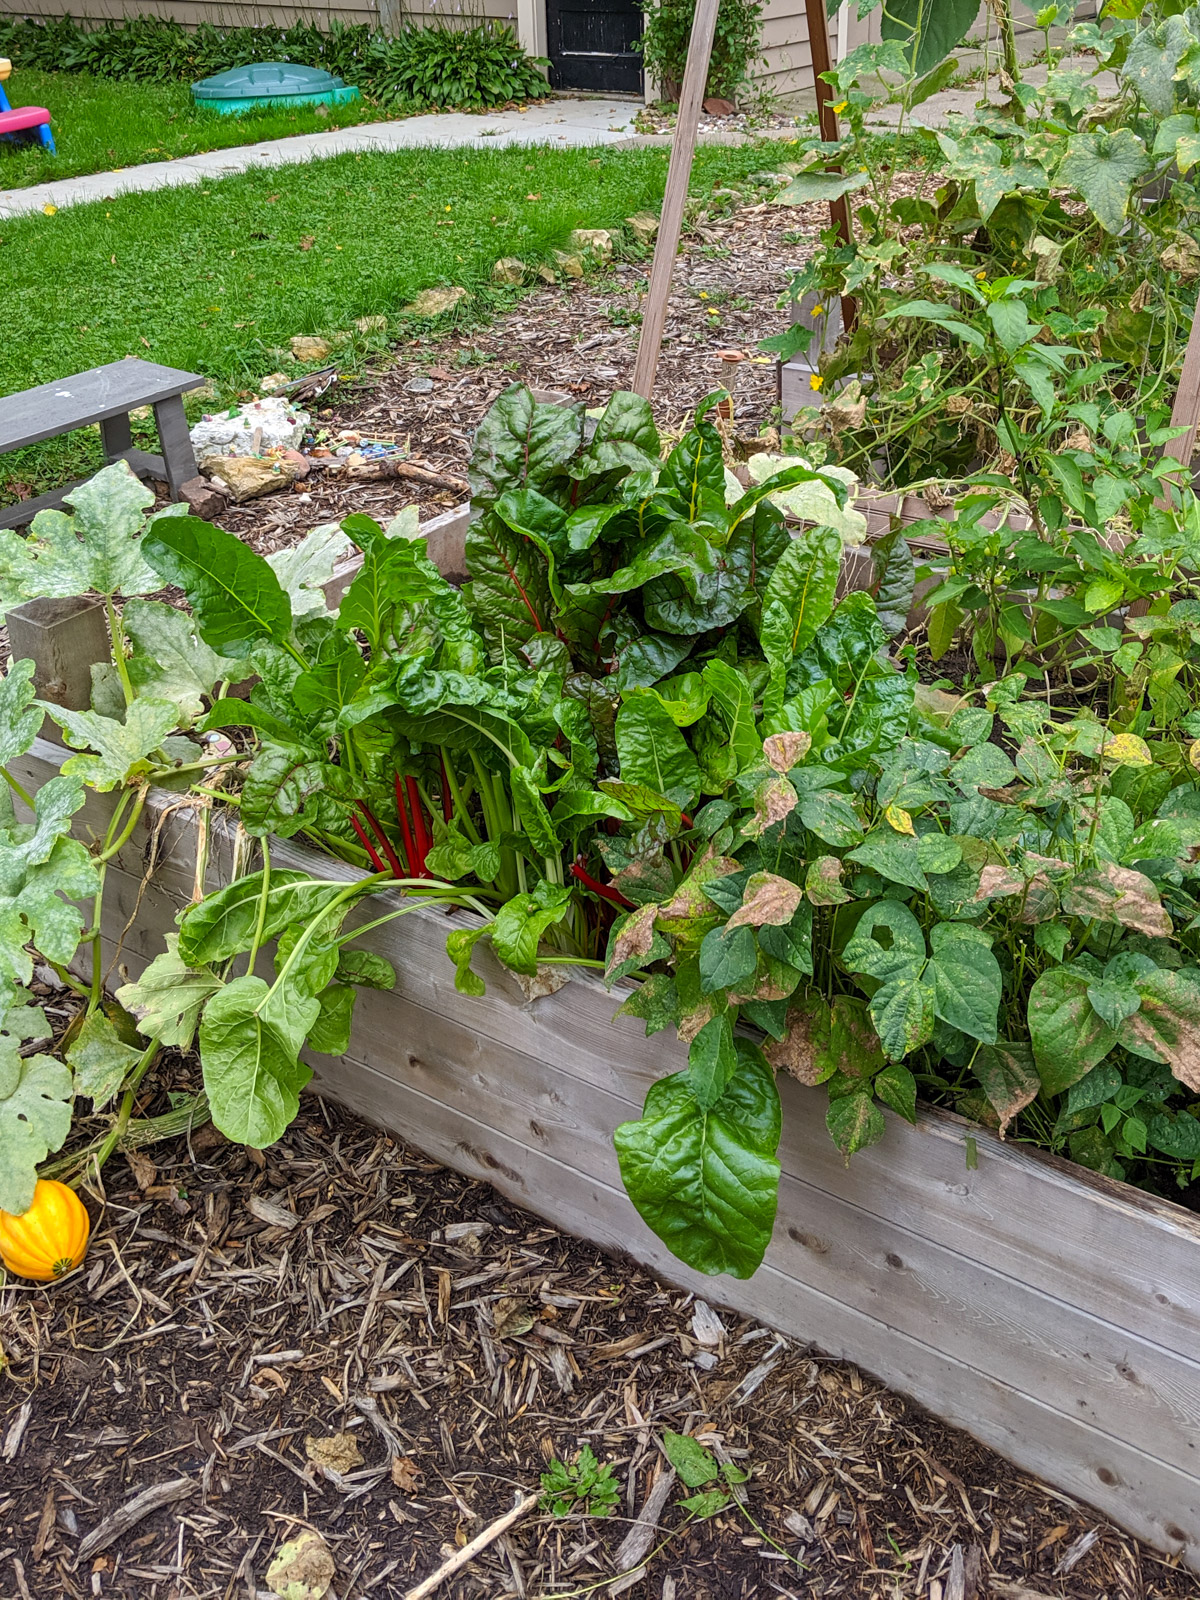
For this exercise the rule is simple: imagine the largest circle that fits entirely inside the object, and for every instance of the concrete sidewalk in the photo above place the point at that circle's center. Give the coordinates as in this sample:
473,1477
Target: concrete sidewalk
562,120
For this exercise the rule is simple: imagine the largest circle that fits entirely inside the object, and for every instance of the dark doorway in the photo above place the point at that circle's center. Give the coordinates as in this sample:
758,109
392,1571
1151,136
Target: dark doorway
590,45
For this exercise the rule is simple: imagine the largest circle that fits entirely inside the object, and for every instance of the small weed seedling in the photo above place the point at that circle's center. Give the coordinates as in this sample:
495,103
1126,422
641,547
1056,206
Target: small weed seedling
584,1486
699,1470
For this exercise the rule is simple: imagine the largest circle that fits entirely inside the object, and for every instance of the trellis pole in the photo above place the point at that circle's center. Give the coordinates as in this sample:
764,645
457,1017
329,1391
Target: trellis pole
679,172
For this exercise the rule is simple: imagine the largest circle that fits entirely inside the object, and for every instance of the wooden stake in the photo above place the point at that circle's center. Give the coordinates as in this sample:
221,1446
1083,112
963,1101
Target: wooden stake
460,1558
1185,413
683,148
839,210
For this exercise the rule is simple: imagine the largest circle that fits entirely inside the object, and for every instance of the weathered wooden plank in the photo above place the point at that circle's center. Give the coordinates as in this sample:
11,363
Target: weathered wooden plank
1119,1383
1157,1502
917,1176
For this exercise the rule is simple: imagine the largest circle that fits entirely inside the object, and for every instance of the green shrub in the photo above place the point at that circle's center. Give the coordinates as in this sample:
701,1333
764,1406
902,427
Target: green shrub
439,66
665,41
472,67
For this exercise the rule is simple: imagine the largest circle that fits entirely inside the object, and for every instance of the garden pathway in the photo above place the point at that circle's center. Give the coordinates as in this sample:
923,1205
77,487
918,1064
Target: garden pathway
562,120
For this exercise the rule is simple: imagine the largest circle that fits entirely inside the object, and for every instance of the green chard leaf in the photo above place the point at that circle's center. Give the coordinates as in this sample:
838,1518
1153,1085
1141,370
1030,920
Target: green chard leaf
236,599
706,1180
252,1072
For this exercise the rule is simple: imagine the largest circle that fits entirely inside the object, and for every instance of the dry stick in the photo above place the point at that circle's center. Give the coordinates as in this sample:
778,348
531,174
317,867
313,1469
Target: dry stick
460,1558
683,148
839,210
374,471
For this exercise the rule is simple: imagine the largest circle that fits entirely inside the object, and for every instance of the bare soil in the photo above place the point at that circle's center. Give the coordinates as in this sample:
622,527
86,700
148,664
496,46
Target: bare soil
580,338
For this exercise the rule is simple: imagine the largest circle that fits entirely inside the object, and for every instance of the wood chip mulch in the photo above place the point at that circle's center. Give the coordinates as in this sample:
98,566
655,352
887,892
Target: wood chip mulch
342,1336
579,337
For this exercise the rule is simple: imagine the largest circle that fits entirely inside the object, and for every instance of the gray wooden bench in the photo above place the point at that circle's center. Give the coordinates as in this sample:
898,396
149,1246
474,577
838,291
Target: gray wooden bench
105,395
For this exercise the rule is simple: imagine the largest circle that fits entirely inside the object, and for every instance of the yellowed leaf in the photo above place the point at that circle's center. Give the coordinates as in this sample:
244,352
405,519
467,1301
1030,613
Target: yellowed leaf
900,819
1127,750
1194,754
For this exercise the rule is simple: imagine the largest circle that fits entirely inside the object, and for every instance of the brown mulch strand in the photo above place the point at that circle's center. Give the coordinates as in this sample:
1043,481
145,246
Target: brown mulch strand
339,1336
579,338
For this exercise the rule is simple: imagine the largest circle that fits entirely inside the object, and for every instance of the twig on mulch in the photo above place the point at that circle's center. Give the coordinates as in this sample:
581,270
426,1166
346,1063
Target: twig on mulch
480,1542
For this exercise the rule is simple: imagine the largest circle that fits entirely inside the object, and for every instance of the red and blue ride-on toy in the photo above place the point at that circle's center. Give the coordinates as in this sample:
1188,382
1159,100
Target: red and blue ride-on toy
26,122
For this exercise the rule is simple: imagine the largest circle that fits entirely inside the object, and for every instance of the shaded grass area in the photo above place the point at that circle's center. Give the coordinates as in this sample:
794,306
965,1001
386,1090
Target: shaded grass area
103,124
217,279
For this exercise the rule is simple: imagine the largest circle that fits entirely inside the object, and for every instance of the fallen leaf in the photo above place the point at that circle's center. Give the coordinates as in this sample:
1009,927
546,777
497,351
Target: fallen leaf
406,1474
511,1318
143,1169
303,1569
338,1452
49,210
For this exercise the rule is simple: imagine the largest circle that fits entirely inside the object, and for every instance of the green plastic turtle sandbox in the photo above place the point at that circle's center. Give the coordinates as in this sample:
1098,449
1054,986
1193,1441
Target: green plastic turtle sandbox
271,83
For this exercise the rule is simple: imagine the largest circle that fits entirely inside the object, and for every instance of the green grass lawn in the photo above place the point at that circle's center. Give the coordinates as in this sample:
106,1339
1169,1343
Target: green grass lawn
217,279
101,125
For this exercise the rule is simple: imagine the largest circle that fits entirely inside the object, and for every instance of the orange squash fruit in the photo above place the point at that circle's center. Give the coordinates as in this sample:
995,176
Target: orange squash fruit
50,1238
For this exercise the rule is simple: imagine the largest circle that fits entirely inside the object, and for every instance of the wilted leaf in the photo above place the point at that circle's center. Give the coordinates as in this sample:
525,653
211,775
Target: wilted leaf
787,750
823,882
1109,893
1008,1077
769,900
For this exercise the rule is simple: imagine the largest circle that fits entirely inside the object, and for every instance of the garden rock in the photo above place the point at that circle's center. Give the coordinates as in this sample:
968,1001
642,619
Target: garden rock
509,269
547,273
306,347
598,240
273,382
715,106
371,324
250,477
270,424
643,225
434,302
203,498
571,265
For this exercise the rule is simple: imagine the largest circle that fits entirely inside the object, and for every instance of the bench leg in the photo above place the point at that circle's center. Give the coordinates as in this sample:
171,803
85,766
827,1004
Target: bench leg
115,436
177,451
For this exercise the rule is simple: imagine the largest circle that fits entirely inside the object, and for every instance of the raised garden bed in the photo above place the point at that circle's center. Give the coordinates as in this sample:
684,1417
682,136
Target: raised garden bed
1047,1311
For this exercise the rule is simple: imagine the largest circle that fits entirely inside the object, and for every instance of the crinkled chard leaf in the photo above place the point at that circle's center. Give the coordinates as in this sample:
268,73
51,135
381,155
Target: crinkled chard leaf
236,599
